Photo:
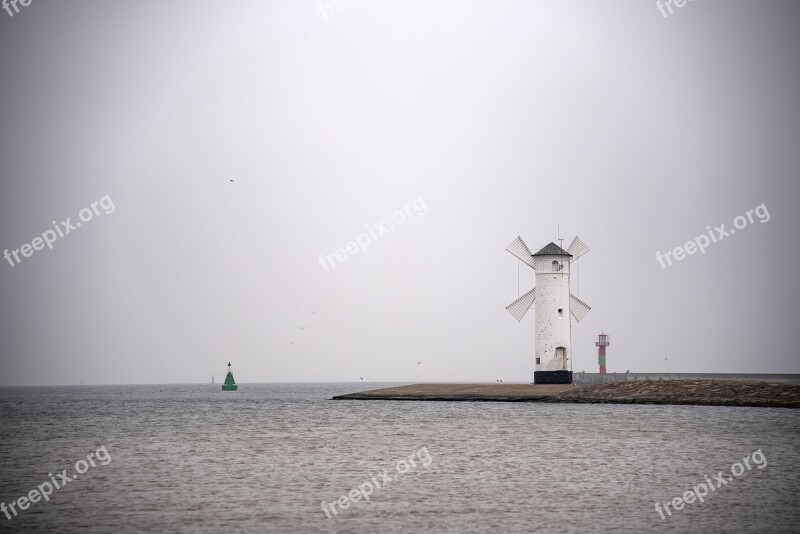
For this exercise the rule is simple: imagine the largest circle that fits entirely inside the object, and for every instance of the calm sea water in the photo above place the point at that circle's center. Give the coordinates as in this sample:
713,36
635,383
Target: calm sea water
190,458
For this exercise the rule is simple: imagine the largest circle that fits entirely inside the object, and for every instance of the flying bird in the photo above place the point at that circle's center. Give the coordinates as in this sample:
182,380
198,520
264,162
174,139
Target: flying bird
231,180
361,378
302,327
419,363
292,342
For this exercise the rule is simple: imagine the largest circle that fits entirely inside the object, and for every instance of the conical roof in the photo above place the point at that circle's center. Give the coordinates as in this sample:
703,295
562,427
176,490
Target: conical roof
552,250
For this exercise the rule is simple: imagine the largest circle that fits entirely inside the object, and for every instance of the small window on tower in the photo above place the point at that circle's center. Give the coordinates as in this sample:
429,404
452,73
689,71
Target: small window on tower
556,266
561,313
538,361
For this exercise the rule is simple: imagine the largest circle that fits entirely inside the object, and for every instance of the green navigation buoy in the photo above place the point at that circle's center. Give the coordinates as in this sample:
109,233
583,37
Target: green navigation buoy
230,383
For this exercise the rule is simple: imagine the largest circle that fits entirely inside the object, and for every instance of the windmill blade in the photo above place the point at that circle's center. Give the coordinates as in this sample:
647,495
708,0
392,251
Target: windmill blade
519,307
519,249
577,307
578,248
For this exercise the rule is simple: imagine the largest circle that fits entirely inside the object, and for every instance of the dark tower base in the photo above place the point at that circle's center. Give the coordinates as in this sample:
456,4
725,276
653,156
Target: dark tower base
552,377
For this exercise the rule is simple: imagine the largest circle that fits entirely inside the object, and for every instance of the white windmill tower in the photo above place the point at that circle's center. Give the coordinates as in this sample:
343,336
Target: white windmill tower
554,303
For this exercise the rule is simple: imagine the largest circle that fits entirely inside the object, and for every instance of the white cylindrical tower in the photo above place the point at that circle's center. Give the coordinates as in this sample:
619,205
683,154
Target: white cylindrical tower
553,353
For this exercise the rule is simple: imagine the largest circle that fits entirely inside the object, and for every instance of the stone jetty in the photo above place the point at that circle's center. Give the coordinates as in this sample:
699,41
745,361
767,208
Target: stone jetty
697,392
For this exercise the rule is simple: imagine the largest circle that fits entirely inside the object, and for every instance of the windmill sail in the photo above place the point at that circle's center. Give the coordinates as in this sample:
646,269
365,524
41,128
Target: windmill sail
519,307
519,249
578,248
578,308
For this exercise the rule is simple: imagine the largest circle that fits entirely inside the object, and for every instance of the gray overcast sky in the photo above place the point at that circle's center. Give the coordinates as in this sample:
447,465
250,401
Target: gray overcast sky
633,130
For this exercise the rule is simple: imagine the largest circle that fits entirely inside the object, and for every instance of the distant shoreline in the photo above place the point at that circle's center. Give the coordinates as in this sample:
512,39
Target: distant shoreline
670,392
